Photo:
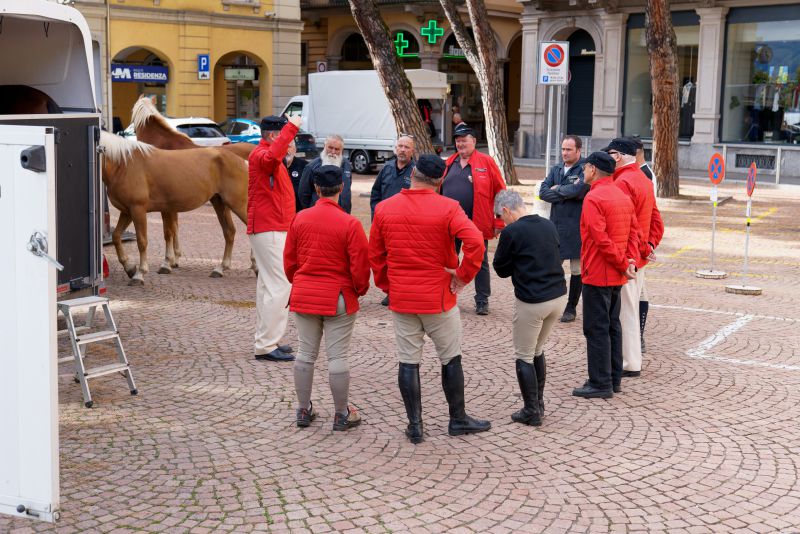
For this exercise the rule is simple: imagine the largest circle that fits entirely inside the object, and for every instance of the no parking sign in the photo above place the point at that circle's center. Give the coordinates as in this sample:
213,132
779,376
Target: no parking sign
554,63
716,169
751,179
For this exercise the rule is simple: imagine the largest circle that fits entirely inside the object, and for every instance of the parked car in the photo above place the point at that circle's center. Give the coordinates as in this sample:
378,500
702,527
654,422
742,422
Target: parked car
249,131
200,130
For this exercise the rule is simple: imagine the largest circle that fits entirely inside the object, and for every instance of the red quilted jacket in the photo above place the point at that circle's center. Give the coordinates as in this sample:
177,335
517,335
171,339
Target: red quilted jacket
410,244
270,203
635,184
486,183
609,235
325,255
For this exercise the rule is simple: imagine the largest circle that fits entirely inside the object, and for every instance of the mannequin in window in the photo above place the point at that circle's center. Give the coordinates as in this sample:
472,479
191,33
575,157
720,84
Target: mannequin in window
688,93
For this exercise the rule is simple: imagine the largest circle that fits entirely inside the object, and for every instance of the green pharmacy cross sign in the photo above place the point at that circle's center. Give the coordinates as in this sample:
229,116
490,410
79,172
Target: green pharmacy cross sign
400,43
432,31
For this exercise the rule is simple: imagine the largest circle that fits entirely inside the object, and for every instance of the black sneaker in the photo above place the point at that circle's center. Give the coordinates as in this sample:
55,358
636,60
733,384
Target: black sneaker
631,374
305,416
482,308
346,421
285,348
385,301
590,392
276,355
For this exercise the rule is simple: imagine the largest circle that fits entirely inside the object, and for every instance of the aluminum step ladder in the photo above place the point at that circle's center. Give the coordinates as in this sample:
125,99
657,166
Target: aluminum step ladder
81,340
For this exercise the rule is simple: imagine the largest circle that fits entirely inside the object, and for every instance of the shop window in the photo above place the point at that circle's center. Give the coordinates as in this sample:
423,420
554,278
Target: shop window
761,92
638,111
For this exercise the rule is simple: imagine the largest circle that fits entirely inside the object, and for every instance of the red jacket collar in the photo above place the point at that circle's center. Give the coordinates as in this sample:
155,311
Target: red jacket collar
324,200
264,143
416,191
606,180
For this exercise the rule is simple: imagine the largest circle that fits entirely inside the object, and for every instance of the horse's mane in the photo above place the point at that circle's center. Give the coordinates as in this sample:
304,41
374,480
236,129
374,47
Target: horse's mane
144,111
119,150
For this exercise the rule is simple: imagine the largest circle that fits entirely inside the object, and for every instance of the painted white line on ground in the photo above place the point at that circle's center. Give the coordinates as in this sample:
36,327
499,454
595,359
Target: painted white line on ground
701,351
720,312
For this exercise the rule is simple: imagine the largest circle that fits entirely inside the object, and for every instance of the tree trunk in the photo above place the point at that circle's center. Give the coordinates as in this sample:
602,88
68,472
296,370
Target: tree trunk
482,57
402,101
663,50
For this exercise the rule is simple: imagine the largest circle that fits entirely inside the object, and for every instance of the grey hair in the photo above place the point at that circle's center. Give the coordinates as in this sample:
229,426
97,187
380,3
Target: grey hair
626,158
424,178
334,137
508,199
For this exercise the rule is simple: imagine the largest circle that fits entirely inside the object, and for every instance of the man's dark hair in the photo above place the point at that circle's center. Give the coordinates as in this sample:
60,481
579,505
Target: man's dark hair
330,191
424,178
575,139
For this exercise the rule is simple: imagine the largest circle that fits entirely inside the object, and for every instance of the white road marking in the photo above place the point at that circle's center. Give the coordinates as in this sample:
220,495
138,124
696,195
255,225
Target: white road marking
720,312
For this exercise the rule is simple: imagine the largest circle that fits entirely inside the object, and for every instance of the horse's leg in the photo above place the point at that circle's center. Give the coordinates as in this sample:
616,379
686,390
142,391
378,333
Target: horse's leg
139,216
228,232
168,219
240,209
176,246
122,223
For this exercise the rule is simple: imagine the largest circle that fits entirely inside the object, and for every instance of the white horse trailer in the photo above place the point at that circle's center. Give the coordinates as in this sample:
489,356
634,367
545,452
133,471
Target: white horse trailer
50,214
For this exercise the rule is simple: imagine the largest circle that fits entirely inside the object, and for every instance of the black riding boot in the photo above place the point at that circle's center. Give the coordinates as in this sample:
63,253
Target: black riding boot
453,386
644,307
408,380
528,386
575,287
541,373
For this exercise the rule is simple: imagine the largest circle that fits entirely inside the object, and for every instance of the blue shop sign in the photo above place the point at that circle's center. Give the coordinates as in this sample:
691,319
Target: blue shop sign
122,72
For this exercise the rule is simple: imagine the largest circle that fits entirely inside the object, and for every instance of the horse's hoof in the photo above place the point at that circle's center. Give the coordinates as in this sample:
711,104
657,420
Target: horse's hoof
131,271
136,282
174,265
215,274
164,270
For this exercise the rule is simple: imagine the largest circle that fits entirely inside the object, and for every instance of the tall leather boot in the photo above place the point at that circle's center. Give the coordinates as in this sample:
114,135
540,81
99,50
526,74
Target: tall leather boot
408,380
571,310
528,386
540,365
453,386
644,307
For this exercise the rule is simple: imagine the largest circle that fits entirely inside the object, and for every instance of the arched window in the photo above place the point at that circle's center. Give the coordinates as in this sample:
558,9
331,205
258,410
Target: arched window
355,49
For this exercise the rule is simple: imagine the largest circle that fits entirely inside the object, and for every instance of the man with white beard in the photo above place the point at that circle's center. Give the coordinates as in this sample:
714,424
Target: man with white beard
331,155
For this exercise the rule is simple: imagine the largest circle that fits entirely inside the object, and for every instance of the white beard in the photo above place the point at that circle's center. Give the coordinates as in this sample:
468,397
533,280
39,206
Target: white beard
331,160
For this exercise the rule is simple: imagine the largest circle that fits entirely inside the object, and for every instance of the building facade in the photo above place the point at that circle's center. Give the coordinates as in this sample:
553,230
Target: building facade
208,58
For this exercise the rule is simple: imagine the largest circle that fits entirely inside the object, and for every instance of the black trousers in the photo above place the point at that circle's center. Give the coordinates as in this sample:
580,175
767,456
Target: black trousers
603,333
483,288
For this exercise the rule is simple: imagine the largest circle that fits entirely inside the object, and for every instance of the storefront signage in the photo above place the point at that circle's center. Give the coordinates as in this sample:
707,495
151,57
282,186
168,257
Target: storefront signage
240,74
554,63
122,72
400,43
432,31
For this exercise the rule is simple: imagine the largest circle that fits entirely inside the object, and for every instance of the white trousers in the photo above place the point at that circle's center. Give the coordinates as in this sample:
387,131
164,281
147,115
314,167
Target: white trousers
272,290
629,320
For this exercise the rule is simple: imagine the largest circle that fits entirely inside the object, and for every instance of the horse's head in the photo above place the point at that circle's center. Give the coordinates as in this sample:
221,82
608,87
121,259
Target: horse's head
151,127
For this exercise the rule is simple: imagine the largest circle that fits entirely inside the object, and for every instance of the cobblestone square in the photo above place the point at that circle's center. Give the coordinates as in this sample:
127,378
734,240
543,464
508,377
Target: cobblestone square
706,440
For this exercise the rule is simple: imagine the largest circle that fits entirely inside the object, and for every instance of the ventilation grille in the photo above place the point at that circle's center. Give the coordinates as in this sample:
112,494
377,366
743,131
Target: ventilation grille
762,161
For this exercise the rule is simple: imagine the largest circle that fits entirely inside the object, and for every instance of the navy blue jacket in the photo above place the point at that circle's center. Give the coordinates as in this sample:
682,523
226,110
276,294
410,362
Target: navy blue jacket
389,182
308,196
566,203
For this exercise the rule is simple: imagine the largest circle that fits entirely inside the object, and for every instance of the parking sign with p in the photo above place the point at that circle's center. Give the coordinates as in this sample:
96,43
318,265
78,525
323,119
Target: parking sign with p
203,67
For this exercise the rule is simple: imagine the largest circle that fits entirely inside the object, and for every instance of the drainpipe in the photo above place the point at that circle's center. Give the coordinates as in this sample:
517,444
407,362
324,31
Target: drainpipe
109,109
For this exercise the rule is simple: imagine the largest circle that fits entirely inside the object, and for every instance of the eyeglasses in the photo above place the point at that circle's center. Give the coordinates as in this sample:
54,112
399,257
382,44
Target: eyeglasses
403,134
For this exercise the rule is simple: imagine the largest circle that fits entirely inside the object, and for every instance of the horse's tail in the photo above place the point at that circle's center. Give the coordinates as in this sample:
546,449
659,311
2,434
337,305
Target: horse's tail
118,149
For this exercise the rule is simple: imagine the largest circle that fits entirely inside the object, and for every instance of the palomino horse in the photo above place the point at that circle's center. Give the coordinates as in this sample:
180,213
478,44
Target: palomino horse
151,128
141,178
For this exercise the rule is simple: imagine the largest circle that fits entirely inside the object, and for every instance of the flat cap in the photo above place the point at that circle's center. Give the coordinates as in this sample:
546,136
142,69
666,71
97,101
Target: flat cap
623,145
462,130
636,141
602,161
273,123
328,176
431,166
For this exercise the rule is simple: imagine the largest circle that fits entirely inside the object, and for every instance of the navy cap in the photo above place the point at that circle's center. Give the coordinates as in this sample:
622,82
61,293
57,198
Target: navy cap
462,130
431,166
273,123
602,161
623,145
636,141
328,176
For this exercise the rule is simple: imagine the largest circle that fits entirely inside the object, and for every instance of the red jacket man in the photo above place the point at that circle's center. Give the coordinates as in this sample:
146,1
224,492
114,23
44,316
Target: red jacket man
633,182
473,179
326,261
270,210
412,254
609,249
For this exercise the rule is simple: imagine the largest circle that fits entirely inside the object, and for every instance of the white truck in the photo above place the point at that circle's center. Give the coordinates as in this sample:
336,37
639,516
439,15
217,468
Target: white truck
50,217
353,104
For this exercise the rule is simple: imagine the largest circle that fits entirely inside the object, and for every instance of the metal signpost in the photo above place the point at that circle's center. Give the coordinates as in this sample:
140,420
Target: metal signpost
744,289
716,173
553,71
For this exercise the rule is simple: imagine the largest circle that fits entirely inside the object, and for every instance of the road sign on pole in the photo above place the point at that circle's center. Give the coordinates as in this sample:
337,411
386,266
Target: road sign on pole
554,63
743,288
716,173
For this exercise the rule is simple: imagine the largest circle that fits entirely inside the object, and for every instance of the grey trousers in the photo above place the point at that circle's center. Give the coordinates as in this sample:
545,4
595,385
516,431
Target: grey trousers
337,329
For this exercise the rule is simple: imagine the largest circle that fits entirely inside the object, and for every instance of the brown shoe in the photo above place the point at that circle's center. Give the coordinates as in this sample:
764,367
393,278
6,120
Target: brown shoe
346,421
305,416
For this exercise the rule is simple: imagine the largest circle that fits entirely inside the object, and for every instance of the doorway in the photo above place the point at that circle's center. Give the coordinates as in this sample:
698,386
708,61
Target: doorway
580,93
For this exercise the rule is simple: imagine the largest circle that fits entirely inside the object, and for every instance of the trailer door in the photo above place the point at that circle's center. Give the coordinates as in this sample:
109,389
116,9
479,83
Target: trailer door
29,467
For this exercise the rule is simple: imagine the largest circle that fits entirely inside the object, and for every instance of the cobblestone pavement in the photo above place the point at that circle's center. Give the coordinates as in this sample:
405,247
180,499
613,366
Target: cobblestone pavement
706,440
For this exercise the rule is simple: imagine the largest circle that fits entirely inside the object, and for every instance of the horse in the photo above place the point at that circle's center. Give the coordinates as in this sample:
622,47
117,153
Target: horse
24,100
141,178
151,128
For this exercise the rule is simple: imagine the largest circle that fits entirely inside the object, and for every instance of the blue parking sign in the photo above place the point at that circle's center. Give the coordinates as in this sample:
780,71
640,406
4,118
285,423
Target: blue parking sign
203,67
